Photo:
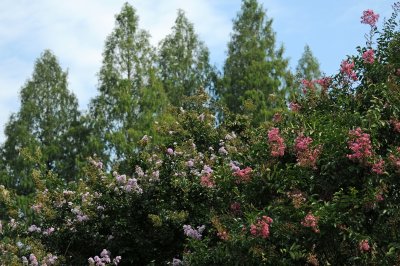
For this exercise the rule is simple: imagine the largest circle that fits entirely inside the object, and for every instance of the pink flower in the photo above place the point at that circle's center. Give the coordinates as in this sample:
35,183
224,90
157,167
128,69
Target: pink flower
368,56
243,175
276,142
193,233
261,228
364,246
346,68
311,221
253,230
307,85
379,197
369,17
306,156
302,143
121,179
33,260
295,107
395,159
223,151
360,145
190,163
378,167
48,231
207,181
223,235
324,82
170,151
234,167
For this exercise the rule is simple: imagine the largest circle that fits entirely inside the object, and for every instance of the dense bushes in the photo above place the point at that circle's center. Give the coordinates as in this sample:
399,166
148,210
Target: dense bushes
317,185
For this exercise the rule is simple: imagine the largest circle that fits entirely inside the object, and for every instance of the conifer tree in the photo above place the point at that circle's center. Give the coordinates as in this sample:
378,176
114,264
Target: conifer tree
122,113
255,72
45,130
184,62
308,66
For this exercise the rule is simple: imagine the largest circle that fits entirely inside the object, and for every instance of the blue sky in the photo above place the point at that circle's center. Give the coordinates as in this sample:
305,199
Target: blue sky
75,31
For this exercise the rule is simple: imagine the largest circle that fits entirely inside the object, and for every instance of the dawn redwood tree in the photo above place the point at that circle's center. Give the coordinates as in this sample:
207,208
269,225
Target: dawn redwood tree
255,71
128,87
308,66
45,129
184,62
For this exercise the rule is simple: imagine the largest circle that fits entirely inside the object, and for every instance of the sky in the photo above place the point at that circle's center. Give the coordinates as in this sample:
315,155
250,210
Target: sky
75,31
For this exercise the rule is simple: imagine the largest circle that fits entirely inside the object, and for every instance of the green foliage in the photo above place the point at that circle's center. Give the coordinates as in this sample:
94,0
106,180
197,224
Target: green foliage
184,62
131,96
308,66
255,72
48,120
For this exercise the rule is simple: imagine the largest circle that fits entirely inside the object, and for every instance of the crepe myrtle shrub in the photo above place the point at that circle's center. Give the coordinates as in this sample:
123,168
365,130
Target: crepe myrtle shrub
124,214
16,246
335,208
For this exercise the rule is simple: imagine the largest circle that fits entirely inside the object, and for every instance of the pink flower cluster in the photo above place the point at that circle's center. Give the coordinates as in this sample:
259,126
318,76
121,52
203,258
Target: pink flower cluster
379,167
360,145
395,159
277,143
207,181
128,185
307,85
311,221
368,56
324,82
302,143
170,151
223,235
306,156
243,175
261,227
34,228
346,68
364,246
104,259
37,207
80,216
193,233
379,197
97,164
369,17
295,107
33,261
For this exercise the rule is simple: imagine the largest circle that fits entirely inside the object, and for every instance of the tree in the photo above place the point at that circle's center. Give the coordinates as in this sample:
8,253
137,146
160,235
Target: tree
184,62
255,72
308,66
45,129
126,79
